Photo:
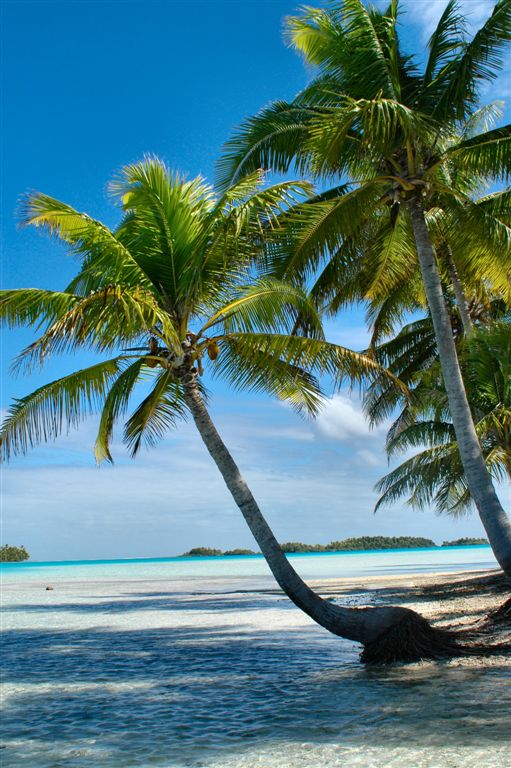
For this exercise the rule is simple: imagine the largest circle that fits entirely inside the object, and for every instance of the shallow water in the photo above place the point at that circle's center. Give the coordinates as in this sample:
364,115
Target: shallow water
200,671
310,565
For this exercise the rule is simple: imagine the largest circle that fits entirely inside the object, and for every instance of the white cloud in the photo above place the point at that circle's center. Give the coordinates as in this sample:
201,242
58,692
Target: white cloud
426,13
342,419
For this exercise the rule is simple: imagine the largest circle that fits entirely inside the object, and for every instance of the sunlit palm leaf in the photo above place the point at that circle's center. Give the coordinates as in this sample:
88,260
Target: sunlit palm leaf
268,306
34,306
156,414
54,407
104,320
105,259
114,406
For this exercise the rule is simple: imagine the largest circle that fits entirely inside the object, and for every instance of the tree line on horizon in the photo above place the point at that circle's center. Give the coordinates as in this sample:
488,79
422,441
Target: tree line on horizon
12,554
358,543
239,278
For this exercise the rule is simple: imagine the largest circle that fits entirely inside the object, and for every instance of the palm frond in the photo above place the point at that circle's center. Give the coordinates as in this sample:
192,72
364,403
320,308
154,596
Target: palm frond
104,320
408,355
157,413
479,61
483,119
116,403
430,433
338,283
34,306
317,34
369,47
268,306
271,139
487,154
105,258
391,259
316,356
44,414
444,44
358,134
164,225
385,314
429,478
258,369
319,228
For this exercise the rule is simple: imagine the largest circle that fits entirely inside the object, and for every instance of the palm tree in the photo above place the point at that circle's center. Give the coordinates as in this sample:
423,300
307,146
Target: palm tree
379,267
435,475
175,288
394,131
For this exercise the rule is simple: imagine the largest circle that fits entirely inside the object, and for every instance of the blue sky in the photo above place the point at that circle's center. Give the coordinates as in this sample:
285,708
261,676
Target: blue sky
91,86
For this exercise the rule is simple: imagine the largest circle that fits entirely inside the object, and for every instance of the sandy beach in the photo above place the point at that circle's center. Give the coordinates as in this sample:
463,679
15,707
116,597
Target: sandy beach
459,601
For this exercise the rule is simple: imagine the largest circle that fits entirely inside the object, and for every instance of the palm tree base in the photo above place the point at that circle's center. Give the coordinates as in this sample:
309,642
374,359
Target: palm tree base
412,638
501,615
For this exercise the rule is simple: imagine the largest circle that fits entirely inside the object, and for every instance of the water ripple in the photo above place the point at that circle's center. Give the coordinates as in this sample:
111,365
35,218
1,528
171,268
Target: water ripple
230,681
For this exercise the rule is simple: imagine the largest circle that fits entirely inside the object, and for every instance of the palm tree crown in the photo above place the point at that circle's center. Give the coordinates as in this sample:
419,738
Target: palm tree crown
396,134
176,280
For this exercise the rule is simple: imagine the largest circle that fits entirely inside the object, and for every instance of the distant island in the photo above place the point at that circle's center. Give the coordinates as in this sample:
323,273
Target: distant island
361,542
10,554
209,552
346,545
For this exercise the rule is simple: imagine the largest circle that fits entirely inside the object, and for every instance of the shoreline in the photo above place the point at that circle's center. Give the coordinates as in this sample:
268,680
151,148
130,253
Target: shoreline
456,599
452,600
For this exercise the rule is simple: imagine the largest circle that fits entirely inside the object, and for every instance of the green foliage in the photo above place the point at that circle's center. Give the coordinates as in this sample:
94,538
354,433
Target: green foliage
381,542
394,134
297,546
209,552
231,552
10,554
464,542
203,552
346,545
435,474
369,100
361,543
178,283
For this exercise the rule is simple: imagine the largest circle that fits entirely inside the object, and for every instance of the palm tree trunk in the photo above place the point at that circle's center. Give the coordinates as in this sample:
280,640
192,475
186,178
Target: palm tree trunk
491,512
388,633
461,301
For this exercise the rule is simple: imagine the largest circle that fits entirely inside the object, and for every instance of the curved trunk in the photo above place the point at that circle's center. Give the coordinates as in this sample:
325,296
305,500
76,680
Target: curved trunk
491,512
388,633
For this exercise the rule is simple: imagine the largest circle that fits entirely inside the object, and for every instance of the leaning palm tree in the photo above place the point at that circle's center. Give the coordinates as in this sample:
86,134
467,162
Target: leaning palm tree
175,288
395,132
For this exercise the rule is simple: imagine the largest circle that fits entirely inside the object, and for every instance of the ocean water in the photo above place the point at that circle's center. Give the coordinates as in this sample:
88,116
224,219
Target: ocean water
315,565
182,663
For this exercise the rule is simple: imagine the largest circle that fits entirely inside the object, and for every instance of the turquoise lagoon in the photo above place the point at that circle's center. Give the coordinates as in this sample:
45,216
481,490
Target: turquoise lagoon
314,565
186,662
